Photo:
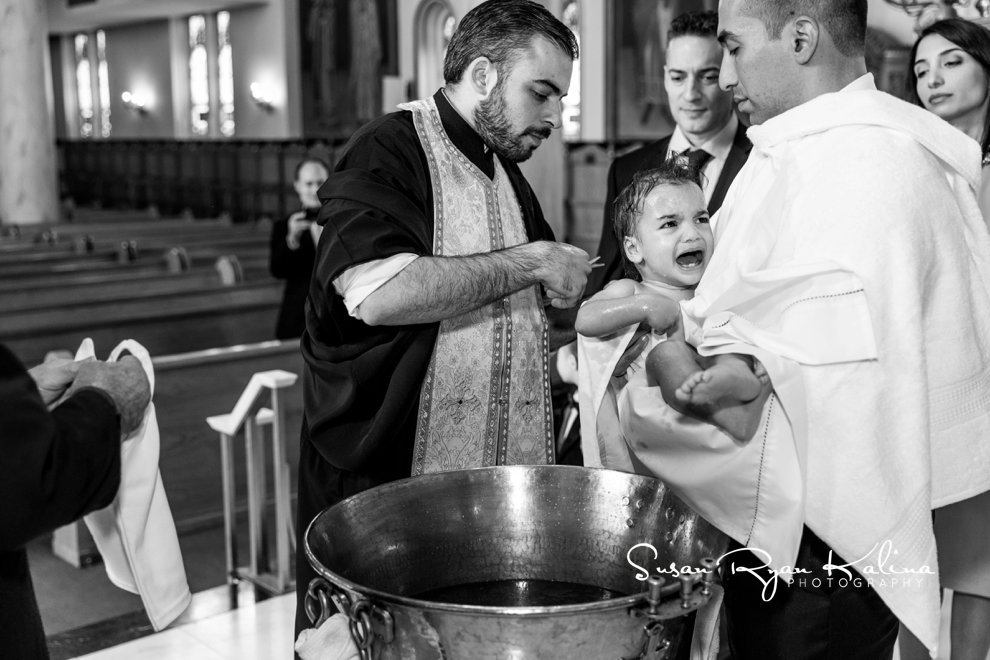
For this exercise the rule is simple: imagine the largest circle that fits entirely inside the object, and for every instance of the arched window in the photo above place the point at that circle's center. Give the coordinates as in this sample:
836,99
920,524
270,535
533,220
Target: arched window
199,76
92,84
225,72
435,24
103,82
84,86
211,75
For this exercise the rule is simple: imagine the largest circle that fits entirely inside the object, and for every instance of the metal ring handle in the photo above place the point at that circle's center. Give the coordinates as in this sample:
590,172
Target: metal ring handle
360,625
318,593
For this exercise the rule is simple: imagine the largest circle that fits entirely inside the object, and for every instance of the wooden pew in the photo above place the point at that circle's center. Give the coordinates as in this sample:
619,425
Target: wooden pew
89,244
253,266
62,232
164,323
150,261
122,251
54,292
57,294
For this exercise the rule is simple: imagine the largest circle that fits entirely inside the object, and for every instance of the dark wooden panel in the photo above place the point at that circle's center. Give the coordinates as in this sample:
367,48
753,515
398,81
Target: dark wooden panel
247,179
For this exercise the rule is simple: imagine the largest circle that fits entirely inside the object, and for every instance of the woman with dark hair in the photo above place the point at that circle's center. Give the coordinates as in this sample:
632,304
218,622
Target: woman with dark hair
950,77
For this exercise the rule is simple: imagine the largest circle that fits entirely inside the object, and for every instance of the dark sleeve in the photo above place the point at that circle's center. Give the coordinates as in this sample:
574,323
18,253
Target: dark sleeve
361,385
54,467
378,201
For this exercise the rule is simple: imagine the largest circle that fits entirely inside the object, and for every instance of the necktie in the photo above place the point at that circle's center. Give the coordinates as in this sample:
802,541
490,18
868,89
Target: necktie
697,158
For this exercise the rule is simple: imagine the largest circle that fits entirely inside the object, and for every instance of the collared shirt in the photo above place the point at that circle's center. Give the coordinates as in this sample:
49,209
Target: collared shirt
718,146
358,282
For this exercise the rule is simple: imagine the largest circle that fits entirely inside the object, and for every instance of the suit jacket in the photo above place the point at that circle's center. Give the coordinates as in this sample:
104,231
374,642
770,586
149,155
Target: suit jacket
54,468
296,268
620,175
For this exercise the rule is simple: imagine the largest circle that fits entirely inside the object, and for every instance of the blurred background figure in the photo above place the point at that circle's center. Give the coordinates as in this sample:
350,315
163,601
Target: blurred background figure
950,77
293,247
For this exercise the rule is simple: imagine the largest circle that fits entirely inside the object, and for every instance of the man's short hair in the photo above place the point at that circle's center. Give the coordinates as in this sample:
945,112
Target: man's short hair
500,30
305,161
694,24
845,20
629,205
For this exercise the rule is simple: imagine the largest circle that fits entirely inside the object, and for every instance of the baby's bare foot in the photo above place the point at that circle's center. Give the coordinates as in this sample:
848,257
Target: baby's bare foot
721,383
685,393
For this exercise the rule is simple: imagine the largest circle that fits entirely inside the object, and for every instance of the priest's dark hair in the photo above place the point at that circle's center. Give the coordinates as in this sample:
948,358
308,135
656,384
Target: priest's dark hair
500,30
971,38
629,205
844,20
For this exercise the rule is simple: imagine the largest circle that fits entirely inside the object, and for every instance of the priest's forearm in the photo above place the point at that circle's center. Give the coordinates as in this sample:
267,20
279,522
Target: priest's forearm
432,289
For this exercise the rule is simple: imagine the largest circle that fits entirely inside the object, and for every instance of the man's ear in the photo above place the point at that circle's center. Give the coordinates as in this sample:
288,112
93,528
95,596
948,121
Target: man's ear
804,35
483,76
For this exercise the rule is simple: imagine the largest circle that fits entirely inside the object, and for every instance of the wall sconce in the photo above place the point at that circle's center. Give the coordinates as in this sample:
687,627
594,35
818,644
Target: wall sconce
135,102
261,95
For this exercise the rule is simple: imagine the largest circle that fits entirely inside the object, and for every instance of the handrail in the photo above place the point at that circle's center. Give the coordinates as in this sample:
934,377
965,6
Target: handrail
249,416
233,422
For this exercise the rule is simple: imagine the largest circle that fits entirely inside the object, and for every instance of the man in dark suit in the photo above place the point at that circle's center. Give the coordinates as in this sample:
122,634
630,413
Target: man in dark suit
707,130
55,466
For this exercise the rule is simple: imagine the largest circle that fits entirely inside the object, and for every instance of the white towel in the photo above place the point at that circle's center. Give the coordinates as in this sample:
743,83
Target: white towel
331,641
135,534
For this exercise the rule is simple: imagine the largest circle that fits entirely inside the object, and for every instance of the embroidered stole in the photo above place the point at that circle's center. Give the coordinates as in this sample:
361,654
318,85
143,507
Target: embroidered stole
486,397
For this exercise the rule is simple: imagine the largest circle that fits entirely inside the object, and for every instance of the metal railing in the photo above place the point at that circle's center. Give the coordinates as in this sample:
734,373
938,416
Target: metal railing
250,419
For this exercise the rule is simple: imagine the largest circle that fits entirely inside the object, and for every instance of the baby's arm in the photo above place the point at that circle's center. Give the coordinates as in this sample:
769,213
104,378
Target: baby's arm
623,303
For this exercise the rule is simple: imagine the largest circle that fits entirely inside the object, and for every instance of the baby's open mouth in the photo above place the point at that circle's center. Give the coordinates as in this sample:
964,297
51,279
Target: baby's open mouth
691,259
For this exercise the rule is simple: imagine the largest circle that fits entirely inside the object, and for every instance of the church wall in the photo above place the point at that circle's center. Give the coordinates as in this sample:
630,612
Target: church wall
263,52
138,61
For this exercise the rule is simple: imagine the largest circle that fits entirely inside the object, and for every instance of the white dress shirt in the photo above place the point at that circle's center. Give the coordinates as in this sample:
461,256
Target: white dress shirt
718,146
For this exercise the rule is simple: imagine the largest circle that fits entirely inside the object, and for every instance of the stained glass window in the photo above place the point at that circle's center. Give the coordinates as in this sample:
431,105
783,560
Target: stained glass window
84,86
225,70
103,82
199,77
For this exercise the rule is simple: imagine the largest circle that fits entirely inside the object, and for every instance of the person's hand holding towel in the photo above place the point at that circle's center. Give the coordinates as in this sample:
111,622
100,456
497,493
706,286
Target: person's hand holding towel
124,381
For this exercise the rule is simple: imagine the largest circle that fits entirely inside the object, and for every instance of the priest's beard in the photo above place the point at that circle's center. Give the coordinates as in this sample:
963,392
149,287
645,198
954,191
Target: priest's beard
491,118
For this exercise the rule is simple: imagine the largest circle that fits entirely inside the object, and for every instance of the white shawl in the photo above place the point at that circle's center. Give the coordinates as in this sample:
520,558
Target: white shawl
851,257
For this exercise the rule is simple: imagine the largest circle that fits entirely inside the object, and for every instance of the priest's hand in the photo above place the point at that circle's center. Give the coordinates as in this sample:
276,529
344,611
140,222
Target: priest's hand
563,272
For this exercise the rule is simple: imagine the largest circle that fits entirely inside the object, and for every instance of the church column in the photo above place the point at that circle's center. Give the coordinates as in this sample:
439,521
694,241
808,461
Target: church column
28,178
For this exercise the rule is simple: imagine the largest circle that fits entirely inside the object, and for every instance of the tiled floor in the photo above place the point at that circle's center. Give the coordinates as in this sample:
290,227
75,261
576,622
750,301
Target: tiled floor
257,632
